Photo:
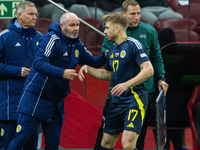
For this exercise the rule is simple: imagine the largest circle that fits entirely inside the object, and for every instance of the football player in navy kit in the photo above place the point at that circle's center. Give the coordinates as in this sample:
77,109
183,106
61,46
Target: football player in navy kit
128,65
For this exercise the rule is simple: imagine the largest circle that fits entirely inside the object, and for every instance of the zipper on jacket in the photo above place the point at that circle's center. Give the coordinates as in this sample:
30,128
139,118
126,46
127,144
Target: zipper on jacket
8,99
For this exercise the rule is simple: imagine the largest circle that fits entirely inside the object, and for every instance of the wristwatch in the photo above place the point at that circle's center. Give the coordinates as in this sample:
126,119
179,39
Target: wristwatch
161,78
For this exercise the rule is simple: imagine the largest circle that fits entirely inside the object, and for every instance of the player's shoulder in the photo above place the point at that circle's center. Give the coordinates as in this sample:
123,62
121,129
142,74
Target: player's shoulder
134,42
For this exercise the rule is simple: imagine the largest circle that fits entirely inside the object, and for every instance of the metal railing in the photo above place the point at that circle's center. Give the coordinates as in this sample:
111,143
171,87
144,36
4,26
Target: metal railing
87,24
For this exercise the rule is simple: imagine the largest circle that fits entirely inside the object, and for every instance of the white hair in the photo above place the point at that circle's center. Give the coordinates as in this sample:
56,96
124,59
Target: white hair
21,7
64,17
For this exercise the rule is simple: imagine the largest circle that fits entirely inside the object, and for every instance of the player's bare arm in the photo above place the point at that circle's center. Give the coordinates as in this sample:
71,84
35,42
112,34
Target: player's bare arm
146,72
101,74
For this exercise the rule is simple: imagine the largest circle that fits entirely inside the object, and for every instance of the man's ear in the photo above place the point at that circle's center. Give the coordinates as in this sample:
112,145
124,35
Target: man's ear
117,28
123,12
61,25
19,14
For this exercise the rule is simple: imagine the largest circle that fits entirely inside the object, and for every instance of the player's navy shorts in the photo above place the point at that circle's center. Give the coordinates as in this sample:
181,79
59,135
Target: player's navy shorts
126,117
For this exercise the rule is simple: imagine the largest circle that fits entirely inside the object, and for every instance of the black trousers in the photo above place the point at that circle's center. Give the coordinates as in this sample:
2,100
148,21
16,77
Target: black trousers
176,136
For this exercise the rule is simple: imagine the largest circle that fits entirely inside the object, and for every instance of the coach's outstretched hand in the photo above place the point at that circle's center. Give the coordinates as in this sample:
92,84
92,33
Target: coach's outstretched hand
69,74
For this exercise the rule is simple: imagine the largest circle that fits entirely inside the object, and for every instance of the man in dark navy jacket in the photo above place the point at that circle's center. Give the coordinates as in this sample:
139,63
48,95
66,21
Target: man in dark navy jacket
18,46
47,84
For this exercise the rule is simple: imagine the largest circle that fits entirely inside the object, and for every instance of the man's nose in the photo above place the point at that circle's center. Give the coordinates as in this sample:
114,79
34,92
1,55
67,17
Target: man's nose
136,16
76,28
34,17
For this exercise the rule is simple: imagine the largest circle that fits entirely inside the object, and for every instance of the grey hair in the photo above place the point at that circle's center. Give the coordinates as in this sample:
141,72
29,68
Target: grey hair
21,7
65,16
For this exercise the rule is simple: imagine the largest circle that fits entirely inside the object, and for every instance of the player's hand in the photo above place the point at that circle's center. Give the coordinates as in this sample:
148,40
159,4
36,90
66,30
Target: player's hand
119,89
81,72
24,71
106,53
163,85
69,74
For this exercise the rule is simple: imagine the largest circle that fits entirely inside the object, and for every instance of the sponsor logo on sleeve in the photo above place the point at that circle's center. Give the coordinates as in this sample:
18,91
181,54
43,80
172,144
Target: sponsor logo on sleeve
143,55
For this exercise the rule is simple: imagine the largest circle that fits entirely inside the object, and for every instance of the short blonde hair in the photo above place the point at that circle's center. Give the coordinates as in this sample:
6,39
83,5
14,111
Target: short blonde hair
116,18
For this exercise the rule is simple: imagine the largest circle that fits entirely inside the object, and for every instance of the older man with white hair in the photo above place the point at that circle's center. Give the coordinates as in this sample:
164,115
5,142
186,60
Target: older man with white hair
18,46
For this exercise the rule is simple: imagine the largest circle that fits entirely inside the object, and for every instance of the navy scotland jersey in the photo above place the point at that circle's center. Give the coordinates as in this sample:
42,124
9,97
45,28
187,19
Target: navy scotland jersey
124,61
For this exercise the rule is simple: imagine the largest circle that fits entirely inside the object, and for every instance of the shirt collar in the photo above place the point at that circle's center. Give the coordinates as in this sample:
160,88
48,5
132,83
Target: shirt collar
17,24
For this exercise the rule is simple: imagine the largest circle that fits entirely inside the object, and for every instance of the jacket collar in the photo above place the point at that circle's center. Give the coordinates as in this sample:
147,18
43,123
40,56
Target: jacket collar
15,28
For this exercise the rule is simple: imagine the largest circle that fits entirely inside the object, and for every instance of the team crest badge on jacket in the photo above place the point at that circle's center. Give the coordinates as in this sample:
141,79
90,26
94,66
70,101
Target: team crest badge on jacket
19,128
76,53
37,43
2,131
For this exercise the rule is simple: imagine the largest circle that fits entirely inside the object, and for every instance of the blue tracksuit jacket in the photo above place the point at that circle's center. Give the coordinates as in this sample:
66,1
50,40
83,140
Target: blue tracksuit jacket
45,89
16,51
